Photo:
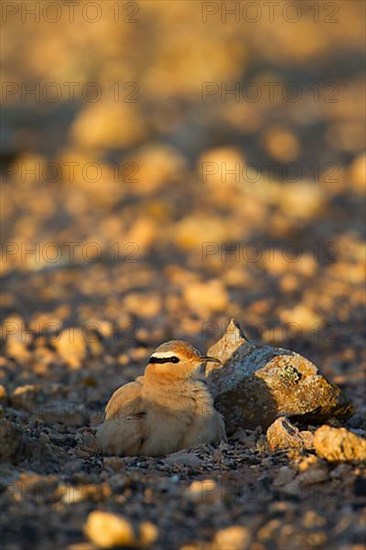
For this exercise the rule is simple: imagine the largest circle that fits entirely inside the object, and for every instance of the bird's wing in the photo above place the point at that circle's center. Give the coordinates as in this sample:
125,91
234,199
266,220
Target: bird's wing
124,428
126,401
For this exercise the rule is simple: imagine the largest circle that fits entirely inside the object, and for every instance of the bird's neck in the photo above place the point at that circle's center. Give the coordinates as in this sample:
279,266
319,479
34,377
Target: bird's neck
165,374
163,388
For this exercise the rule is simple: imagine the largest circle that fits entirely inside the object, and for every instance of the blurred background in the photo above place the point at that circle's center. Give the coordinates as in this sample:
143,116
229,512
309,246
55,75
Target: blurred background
167,166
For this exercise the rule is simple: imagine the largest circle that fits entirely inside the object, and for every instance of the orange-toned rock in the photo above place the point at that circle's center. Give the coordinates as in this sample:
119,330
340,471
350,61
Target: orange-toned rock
283,435
339,445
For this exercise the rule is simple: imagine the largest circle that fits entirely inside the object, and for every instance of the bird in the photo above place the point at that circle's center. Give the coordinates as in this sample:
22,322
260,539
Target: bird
167,409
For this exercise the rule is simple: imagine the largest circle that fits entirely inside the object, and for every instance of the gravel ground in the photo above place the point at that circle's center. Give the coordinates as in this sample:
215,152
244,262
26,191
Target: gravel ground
163,242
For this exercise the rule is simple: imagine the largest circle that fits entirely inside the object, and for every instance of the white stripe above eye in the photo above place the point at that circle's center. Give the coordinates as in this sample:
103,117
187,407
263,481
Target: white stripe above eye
163,355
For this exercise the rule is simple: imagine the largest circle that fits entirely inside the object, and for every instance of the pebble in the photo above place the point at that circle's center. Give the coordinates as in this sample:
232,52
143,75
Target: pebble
208,296
71,346
284,435
183,458
206,491
340,445
26,397
107,530
284,476
232,538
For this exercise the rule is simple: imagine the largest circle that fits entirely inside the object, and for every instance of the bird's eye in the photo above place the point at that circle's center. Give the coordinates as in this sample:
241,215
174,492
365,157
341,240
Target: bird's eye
174,360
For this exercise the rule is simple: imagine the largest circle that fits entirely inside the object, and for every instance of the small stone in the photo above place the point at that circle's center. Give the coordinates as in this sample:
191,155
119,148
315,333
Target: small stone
339,445
26,397
284,476
281,144
95,126
342,471
81,493
312,470
257,383
143,305
206,491
207,296
313,475
229,157
232,538
283,435
108,530
148,533
71,346
183,458
17,338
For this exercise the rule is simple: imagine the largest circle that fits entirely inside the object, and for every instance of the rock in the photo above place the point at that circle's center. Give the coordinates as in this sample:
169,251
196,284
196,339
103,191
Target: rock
221,167
107,530
208,296
158,164
317,472
257,383
283,435
183,458
36,488
281,144
71,494
147,305
148,533
10,440
17,339
26,397
232,538
285,475
71,346
95,126
206,491
339,445
342,471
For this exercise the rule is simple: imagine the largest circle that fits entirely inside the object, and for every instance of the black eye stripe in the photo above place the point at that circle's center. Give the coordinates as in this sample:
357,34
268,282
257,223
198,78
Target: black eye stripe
172,359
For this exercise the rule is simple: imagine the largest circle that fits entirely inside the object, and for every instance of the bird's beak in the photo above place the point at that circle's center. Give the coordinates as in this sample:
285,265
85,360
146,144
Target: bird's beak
208,359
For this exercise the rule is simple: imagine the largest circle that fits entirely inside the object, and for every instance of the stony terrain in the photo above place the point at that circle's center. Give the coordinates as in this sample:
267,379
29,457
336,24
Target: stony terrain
162,240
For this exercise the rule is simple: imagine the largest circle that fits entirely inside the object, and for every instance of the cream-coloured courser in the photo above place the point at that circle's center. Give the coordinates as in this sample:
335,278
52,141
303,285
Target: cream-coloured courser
167,409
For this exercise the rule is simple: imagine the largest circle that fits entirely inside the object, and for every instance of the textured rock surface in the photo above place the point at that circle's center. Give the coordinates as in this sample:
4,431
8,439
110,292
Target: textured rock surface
283,435
339,445
255,384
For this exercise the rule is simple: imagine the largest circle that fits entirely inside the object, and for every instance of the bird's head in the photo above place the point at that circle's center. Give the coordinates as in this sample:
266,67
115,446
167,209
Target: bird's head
177,359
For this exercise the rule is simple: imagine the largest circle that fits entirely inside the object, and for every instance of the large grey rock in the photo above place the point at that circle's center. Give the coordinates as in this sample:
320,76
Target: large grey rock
255,384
